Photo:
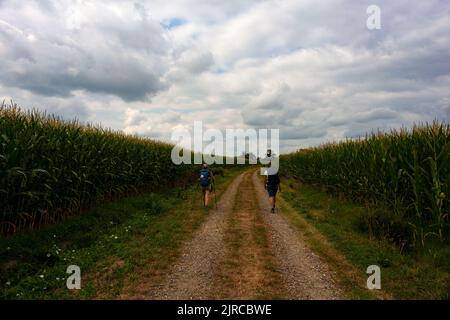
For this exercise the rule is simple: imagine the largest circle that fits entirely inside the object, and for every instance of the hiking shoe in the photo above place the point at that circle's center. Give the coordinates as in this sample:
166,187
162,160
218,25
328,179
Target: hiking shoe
272,210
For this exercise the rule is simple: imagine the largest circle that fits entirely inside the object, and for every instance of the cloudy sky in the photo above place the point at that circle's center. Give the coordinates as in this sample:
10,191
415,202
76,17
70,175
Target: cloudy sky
310,68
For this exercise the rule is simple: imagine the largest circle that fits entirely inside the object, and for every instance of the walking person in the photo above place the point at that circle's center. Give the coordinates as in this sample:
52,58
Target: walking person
273,185
206,180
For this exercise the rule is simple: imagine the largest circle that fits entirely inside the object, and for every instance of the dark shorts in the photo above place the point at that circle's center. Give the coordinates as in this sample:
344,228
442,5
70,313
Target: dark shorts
272,191
207,188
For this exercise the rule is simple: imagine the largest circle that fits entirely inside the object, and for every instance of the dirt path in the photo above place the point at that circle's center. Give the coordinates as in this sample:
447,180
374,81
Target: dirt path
190,278
248,268
305,276
244,252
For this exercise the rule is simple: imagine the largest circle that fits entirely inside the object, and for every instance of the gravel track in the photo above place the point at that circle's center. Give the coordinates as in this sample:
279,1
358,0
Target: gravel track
305,276
191,277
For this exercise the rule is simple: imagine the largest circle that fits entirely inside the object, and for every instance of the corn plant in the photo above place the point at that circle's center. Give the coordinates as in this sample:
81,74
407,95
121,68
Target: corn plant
51,169
406,170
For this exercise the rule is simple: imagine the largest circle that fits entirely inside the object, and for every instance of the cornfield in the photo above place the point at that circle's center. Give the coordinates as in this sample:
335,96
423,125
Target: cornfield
51,169
407,171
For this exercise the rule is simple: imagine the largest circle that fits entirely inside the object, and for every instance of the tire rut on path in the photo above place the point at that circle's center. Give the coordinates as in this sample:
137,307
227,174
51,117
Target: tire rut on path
246,271
191,277
305,276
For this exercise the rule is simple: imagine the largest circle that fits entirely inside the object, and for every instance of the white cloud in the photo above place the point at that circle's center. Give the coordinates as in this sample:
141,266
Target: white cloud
56,51
310,68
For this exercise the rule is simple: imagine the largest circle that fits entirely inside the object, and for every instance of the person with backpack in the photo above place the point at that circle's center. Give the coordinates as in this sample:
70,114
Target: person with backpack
206,179
272,185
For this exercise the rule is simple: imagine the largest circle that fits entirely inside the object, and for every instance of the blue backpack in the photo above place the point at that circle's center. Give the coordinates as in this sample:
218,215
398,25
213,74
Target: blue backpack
205,178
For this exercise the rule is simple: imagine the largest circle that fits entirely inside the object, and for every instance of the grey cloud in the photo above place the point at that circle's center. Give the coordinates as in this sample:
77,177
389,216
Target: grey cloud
152,134
143,11
364,117
115,82
111,56
272,110
194,60
151,124
71,110
310,68
269,108
301,133
446,112
200,62
357,130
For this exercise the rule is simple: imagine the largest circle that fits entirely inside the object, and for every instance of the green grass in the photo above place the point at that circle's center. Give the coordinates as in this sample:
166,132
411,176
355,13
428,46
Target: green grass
116,245
404,275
